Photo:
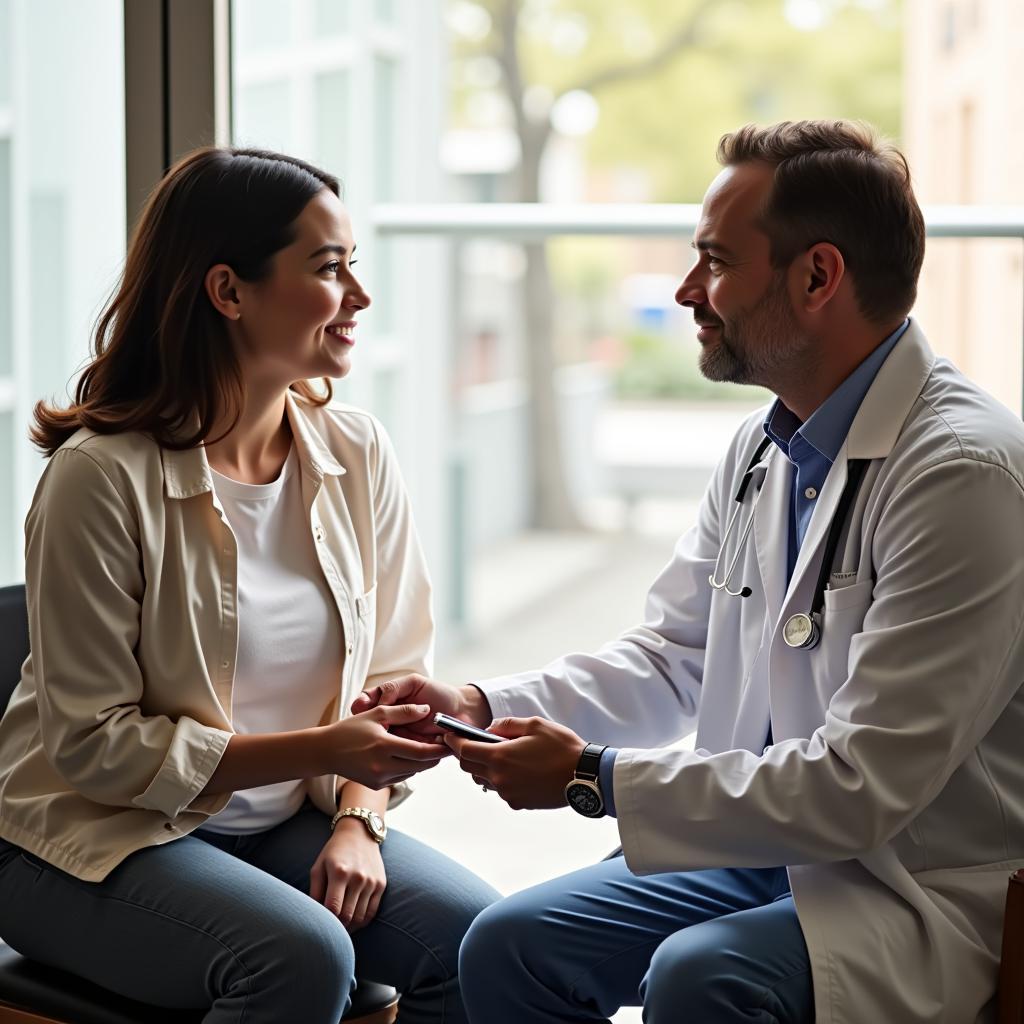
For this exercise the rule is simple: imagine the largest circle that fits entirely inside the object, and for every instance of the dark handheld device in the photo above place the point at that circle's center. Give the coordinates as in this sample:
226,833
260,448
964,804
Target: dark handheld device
469,732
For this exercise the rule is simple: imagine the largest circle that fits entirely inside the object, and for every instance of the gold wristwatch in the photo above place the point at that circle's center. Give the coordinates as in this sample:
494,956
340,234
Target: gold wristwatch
371,819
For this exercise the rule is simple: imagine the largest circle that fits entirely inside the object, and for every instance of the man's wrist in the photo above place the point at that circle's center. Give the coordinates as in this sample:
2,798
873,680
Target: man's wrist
475,706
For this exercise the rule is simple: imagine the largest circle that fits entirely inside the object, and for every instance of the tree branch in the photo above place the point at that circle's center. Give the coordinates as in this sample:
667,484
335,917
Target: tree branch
684,36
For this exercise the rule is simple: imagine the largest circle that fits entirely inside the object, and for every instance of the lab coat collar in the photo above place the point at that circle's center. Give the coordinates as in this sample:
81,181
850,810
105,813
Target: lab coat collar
887,404
873,435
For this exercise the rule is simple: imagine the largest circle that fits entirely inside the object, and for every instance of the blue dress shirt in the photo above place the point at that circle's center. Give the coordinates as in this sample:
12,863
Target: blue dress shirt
812,447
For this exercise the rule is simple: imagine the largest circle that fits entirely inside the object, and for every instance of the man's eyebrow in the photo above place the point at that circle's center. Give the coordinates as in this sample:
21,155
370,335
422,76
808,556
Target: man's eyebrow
338,250
708,244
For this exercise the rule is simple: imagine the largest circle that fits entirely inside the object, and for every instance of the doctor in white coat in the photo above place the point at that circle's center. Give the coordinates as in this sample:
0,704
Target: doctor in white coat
836,848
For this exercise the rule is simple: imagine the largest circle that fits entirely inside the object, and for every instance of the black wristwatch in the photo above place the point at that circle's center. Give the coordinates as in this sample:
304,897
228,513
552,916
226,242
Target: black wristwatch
583,792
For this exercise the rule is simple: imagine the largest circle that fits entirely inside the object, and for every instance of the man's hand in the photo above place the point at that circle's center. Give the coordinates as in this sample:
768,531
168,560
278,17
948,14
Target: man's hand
463,702
348,877
531,769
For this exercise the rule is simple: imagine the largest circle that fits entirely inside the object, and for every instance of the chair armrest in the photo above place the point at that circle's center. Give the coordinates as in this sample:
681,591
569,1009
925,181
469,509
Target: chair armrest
1011,967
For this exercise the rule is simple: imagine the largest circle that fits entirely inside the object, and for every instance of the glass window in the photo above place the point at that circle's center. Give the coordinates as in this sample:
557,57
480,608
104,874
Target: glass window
330,17
5,257
330,91
5,51
262,116
64,218
262,24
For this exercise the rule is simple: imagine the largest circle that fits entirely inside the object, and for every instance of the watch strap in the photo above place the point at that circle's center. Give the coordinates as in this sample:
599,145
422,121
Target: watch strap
363,814
589,764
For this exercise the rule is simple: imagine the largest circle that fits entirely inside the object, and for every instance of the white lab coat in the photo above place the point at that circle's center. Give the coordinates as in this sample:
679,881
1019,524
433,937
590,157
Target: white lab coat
894,788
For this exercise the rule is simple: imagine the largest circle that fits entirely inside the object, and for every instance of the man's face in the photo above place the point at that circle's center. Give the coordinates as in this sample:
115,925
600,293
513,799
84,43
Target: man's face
748,333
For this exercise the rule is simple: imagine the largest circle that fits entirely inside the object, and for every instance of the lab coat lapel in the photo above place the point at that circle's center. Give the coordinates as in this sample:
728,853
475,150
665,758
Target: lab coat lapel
771,513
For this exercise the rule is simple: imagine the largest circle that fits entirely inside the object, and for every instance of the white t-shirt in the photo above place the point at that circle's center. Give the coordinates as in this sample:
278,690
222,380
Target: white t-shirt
290,652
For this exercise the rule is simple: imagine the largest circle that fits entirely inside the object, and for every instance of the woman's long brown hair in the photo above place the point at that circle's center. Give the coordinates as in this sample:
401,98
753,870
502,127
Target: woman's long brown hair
162,360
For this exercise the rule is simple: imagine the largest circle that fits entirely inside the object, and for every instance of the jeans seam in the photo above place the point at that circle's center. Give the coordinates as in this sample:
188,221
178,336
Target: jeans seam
196,928
423,945
770,989
612,956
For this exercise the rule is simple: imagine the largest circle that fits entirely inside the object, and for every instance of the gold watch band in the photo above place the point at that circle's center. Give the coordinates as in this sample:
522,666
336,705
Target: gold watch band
373,820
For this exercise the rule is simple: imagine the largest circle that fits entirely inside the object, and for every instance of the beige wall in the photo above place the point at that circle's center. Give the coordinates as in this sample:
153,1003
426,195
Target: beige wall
964,136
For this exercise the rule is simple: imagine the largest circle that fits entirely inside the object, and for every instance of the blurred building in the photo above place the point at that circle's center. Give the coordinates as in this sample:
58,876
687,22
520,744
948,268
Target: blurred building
963,108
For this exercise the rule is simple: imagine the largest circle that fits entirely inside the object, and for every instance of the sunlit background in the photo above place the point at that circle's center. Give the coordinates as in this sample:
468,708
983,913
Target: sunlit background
543,395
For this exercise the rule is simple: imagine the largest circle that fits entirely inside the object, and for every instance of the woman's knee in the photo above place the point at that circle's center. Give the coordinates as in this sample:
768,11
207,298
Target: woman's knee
306,957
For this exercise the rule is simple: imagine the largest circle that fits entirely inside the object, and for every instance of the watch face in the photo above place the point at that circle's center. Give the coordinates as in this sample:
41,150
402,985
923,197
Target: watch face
377,823
585,800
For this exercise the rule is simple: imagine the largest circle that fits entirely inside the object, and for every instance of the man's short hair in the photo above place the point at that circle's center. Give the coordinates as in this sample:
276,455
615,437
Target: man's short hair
836,182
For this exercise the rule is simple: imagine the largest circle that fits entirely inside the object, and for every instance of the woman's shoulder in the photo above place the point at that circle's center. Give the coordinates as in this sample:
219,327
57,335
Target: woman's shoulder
346,430
124,458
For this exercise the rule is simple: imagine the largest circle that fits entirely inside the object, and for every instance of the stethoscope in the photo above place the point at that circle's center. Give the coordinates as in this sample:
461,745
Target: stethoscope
802,630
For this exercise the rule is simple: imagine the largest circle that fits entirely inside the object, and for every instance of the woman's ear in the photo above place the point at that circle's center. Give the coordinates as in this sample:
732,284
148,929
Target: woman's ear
222,290
822,268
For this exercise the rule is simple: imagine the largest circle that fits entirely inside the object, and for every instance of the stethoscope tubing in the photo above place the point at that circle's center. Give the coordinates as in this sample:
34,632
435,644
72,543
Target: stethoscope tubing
802,630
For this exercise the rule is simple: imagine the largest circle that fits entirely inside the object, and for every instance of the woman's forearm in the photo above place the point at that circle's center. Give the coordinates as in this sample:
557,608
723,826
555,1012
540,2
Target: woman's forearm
260,760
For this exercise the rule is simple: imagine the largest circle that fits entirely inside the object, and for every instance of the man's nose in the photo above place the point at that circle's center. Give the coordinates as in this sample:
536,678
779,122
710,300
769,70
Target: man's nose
691,292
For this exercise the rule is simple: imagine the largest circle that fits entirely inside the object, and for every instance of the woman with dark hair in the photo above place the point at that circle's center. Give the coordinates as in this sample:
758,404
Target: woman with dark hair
217,563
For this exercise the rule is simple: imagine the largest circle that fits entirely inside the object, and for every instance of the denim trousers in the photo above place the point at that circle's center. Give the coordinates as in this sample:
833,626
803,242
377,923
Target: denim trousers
698,947
226,922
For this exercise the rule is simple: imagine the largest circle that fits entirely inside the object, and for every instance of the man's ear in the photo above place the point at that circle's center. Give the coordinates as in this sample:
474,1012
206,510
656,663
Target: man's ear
222,290
820,271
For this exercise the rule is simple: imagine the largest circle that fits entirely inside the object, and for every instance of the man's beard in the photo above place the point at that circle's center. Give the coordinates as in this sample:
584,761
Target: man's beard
762,345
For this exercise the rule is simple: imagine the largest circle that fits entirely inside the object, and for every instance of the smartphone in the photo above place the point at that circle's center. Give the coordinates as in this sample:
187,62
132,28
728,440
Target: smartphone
470,732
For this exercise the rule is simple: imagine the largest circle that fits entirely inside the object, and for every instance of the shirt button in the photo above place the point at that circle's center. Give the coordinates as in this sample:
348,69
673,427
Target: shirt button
168,826
225,664
349,648
810,493
319,534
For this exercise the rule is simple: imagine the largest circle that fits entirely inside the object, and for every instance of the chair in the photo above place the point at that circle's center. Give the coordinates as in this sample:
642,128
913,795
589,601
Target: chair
1011,968
31,993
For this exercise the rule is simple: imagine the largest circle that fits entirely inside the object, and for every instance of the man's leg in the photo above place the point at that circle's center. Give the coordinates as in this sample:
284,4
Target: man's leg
746,967
577,948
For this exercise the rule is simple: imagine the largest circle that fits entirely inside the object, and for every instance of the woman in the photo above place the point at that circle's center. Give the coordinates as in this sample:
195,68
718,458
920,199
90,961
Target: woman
217,564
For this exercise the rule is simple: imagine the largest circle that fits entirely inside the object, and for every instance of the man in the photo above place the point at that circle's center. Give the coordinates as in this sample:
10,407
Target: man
845,622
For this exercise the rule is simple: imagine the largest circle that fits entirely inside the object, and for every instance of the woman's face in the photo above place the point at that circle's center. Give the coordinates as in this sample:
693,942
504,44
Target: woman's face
300,321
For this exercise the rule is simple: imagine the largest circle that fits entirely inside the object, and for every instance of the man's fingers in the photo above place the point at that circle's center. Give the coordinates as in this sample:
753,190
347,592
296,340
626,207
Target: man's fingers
400,714
512,728
394,691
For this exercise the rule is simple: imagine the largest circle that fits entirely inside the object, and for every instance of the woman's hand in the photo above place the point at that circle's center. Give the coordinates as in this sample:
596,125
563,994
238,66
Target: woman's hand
363,749
348,877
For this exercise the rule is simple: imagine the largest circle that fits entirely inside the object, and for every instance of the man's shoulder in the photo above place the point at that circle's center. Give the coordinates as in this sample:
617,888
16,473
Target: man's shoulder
955,419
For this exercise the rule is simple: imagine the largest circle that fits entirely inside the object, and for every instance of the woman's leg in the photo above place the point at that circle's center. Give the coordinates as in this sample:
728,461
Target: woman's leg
428,905
183,925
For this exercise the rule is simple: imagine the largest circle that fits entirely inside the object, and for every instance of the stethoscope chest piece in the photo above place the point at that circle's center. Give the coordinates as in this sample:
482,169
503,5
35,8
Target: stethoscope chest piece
801,632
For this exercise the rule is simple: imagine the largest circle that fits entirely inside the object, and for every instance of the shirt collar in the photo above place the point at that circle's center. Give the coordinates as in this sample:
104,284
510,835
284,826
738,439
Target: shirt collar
826,428
187,472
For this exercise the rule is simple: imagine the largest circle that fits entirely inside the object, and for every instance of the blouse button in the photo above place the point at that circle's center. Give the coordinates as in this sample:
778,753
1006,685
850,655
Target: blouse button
319,534
810,493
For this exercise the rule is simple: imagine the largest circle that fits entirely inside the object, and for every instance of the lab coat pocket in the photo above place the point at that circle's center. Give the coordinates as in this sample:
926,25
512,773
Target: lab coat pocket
842,619
838,599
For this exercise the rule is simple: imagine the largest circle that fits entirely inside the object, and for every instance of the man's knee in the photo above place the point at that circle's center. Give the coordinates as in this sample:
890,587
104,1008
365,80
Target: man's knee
685,971
506,938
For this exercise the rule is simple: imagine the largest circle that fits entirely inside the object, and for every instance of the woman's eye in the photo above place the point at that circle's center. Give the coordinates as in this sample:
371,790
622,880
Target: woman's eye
330,268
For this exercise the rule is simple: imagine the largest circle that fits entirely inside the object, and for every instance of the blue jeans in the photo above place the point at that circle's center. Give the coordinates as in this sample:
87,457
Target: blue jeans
226,922
697,947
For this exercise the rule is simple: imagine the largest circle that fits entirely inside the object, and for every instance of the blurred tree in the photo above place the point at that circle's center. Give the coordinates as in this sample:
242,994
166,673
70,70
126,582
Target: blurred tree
652,86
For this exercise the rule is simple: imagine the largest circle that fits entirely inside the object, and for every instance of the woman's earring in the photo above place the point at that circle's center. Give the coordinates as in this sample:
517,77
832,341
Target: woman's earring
238,316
